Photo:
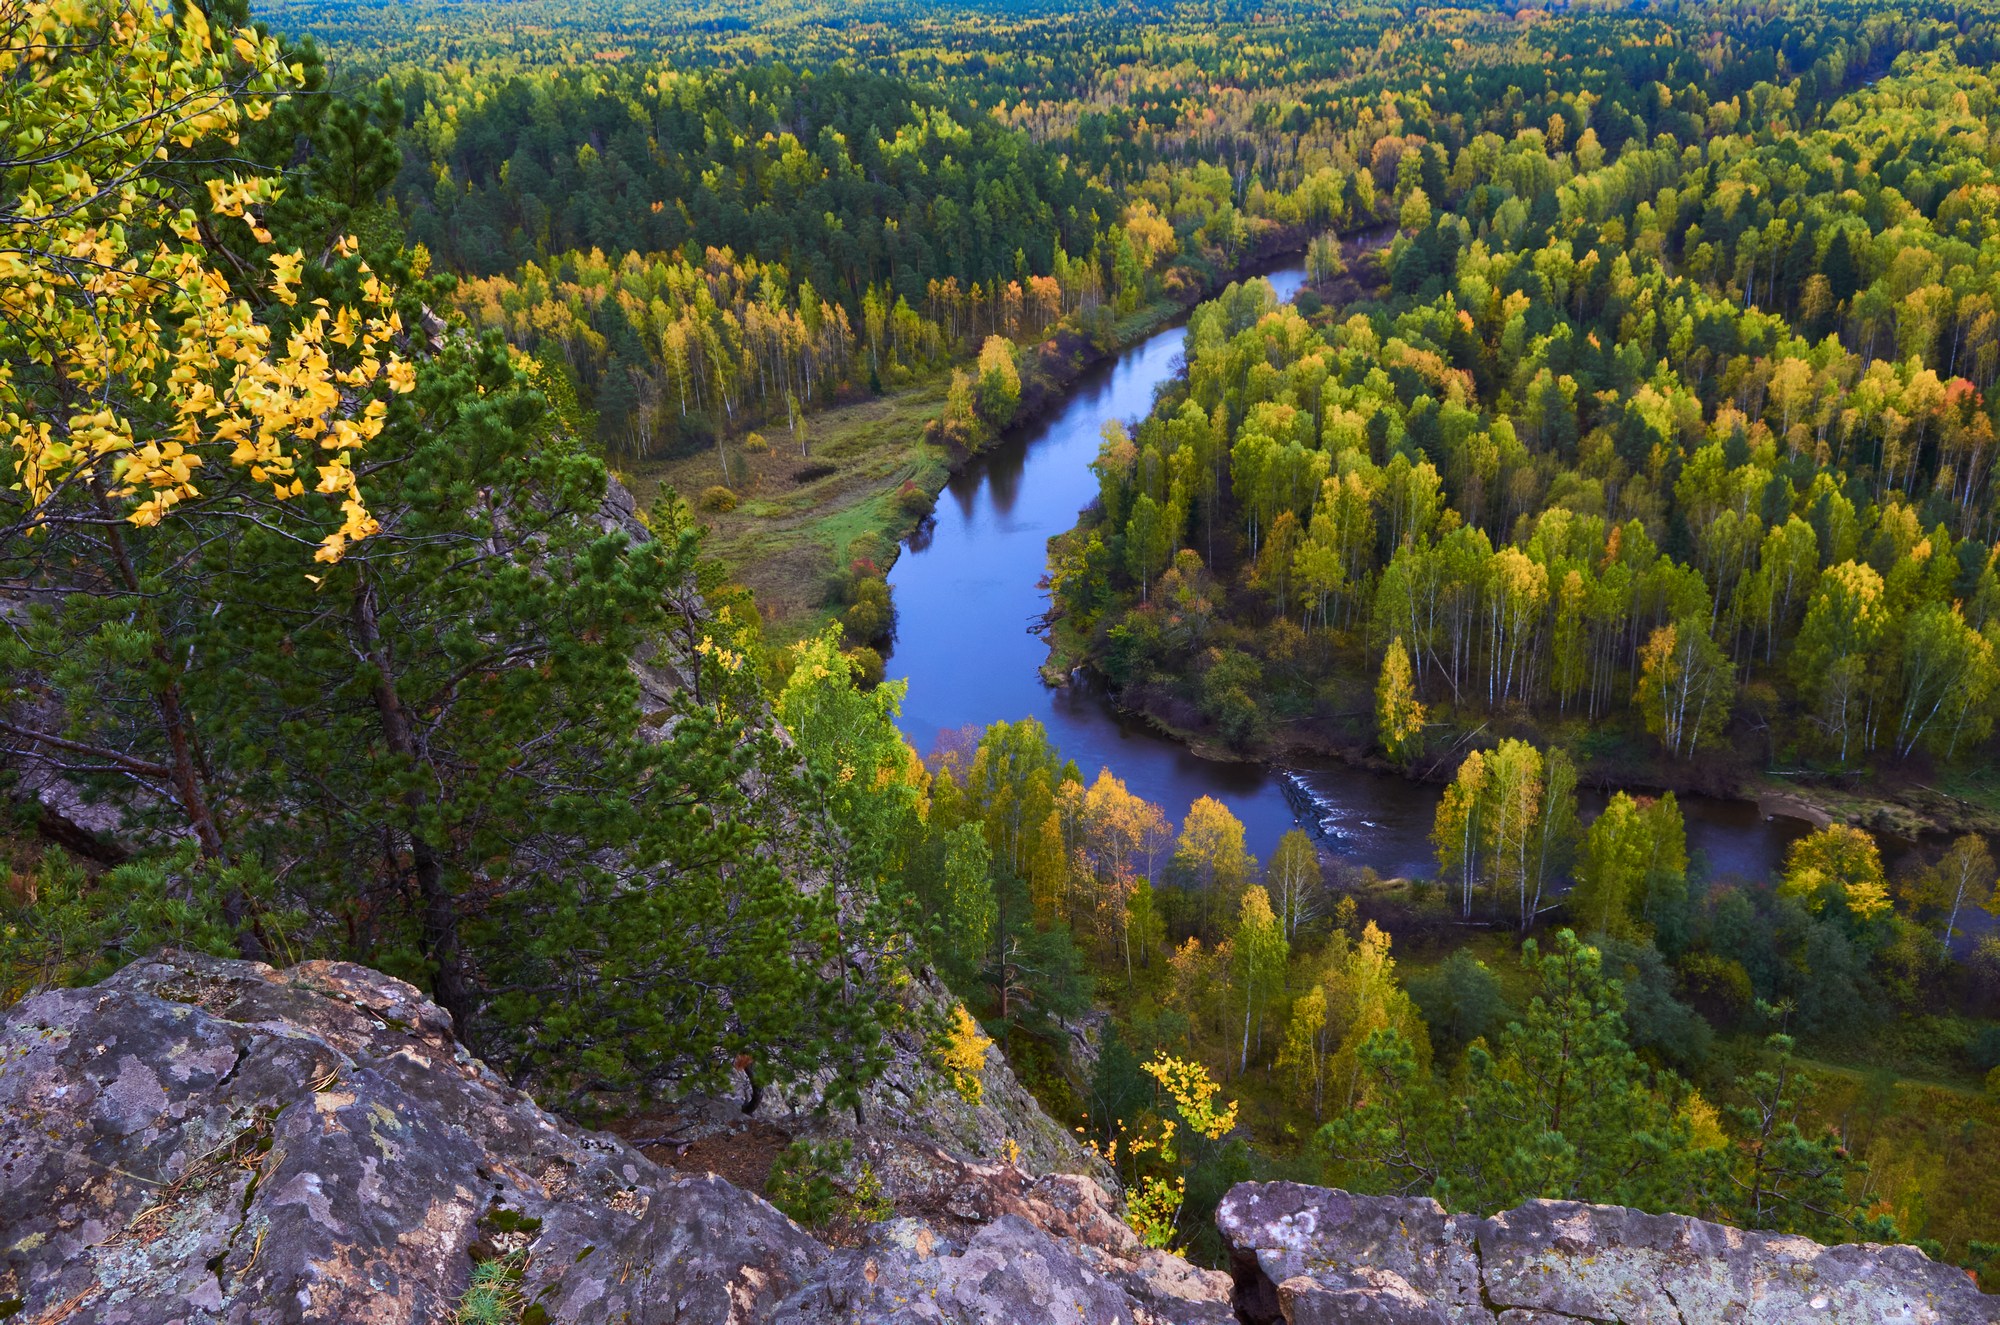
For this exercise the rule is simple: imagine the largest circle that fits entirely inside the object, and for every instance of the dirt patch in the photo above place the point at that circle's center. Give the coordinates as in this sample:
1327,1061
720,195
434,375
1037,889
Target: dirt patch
742,1156
1790,806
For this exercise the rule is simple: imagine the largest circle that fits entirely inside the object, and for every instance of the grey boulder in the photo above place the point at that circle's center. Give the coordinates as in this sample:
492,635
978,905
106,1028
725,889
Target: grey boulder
1314,1256
201,1141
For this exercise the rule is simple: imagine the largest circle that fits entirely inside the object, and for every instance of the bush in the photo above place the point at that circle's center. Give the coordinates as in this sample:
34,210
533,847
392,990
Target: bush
807,1182
872,616
868,667
1718,987
913,500
1984,1049
718,499
1461,1001
872,550
693,433
59,926
756,444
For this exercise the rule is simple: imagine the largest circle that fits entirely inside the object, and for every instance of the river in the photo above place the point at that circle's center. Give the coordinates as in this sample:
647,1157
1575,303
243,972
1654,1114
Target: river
969,599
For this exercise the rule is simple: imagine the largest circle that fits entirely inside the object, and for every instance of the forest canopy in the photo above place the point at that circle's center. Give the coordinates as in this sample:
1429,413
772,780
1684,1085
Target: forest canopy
398,403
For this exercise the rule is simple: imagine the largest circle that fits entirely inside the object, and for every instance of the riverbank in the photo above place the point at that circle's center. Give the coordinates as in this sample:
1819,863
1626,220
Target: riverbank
1908,808
870,476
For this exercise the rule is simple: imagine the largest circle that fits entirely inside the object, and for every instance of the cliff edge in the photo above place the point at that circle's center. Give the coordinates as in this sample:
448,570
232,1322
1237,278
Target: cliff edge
198,1140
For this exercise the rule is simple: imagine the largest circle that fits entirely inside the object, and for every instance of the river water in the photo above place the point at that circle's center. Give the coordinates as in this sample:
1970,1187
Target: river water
969,599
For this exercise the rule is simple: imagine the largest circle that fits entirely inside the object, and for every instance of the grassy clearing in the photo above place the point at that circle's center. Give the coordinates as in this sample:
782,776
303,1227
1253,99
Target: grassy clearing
1933,1147
786,537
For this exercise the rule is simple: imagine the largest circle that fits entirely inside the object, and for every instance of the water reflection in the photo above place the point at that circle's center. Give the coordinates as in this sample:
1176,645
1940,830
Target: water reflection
969,604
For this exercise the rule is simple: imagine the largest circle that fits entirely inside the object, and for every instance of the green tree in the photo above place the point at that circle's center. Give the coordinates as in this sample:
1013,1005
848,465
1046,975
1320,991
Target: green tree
1686,687
1556,829
1304,1055
999,381
1293,878
1837,863
1211,857
1965,872
1149,540
1323,260
1560,1108
1460,1000
965,908
1845,620
1782,1178
1459,832
861,768
1145,931
1632,869
1261,953
1948,677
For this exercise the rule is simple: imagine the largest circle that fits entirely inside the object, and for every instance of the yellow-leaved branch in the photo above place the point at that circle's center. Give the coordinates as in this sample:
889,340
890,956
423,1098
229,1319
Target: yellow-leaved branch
128,366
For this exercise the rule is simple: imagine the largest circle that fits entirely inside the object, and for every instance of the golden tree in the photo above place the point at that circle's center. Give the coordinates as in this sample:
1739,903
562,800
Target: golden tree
1399,716
147,365
129,364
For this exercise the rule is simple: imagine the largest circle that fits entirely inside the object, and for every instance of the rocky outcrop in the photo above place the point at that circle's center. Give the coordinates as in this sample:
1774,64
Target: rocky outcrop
203,1141
197,1141
913,1100
1310,1256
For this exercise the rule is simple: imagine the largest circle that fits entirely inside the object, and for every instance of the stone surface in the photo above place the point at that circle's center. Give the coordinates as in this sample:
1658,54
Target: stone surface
206,1141
911,1099
202,1141
1311,1256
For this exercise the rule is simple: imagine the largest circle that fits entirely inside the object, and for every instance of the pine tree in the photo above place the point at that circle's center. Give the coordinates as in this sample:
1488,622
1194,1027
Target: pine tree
1560,1108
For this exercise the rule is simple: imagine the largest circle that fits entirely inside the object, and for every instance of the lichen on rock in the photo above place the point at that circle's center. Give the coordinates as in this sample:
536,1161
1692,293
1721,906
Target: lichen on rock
1313,1256
198,1140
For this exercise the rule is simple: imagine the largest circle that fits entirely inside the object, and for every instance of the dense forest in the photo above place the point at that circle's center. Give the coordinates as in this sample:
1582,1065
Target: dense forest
1687,433
454,452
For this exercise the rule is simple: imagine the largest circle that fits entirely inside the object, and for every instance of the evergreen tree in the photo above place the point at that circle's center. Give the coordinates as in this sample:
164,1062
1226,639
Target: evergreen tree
1783,1178
1560,1107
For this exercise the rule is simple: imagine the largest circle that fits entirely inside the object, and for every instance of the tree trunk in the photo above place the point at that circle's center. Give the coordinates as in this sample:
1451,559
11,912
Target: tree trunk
439,909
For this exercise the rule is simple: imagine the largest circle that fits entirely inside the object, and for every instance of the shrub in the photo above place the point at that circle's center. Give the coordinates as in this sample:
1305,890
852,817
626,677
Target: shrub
964,1055
872,616
872,549
913,500
868,667
718,499
807,1183
494,1295
755,443
1984,1049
